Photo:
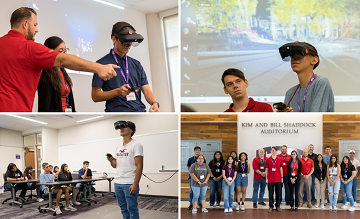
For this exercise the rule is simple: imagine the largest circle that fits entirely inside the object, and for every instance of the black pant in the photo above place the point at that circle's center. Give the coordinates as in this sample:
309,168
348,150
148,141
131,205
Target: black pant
277,188
294,188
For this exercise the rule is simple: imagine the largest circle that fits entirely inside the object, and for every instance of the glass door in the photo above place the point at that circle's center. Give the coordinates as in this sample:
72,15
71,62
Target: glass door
33,152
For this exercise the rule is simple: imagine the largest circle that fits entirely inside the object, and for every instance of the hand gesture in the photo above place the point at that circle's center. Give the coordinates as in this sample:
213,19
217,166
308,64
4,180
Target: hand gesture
123,91
106,72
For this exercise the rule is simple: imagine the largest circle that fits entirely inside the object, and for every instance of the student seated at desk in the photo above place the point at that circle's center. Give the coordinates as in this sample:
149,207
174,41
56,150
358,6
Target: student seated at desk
85,173
14,174
65,175
28,176
56,171
47,177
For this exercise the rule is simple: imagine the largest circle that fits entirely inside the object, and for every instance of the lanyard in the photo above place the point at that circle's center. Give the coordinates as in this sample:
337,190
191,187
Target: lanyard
201,170
67,92
48,177
332,169
273,162
345,171
294,165
243,167
247,110
230,170
127,67
307,88
320,169
30,176
283,158
194,158
262,161
218,164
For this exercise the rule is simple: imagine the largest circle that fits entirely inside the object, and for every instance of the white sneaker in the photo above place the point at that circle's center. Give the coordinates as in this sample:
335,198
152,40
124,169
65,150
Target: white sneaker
226,210
316,206
76,203
335,208
330,207
39,200
70,208
237,208
355,204
351,209
194,210
344,207
322,206
230,210
57,210
204,210
242,207
211,206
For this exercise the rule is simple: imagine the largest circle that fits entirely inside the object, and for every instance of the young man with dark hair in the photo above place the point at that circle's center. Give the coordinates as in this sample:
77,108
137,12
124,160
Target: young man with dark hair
274,179
191,160
314,92
128,162
85,173
235,85
116,91
327,155
285,158
22,61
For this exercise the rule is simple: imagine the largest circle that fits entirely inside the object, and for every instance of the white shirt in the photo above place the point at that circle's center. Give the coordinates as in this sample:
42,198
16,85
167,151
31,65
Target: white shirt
356,163
125,162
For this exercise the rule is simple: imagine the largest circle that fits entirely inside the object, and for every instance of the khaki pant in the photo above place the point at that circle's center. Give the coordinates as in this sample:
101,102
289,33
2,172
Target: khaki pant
307,183
320,190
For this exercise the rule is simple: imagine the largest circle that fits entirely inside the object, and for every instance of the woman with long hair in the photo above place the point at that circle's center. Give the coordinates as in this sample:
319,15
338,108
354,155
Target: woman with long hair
229,171
294,167
216,179
241,181
65,175
320,180
347,175
27,175
333,177
14,174
55,85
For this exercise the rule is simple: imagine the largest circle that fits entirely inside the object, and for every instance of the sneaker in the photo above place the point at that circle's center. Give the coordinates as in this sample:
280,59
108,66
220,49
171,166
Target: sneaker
217,205
237,207
322,206
344,207
76,203
40,200
204,210
355,204
270,210
230,210
242,207
58,211
351,209
262,203
190,207
70,208
316,206
330,207
226,210
211,206
291,209
335,208
296,209
194,210
278,209
254,205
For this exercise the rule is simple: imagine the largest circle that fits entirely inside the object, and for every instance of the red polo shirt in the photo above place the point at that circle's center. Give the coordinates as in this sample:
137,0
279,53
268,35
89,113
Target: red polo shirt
273,176
306,165
285,159
296,164
253,106
21,64
256,166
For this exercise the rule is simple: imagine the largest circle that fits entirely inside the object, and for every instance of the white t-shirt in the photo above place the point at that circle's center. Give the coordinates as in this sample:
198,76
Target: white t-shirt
125,162
356,163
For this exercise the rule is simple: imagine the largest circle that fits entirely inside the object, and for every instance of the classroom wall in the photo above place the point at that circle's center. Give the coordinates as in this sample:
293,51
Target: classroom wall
10,145
50,146
220,126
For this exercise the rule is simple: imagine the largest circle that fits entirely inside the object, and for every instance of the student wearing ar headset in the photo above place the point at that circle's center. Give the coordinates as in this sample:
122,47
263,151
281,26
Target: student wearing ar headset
128,162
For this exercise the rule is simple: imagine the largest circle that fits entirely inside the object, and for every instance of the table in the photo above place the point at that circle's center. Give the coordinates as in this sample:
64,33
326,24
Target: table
13,185
60,183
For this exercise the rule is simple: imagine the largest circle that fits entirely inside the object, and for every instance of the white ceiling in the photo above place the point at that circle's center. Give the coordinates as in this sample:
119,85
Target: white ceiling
54,121
147,6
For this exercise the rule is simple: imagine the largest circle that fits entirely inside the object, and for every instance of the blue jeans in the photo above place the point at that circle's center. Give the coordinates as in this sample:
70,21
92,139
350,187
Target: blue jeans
354,190
256,185
215,188
37,187
21,186
287,191
126,201
240,180
191,194
346,192
199,193
334,191
228,195
80,186
312,190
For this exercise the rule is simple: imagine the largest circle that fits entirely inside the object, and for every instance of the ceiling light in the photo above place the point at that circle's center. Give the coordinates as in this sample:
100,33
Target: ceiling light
32,120
110,4
90,119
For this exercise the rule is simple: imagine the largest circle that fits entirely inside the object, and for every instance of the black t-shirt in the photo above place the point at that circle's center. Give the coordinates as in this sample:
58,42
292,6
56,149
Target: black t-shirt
216,167
313,157
14,175
320,175
348,172
240,169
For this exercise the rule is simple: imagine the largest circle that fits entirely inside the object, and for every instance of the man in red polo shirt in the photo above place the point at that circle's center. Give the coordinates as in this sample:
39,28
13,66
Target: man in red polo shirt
285,159
258,165
235,85
306,180
274,178
22,61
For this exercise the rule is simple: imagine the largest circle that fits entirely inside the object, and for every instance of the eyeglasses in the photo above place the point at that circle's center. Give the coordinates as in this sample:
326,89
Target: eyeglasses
66,50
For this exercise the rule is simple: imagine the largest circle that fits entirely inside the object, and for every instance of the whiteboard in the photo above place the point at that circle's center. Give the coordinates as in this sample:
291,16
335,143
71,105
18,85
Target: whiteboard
159,149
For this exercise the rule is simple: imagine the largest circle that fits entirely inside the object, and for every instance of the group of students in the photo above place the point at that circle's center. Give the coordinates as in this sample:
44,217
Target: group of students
300,177
49,175
28,66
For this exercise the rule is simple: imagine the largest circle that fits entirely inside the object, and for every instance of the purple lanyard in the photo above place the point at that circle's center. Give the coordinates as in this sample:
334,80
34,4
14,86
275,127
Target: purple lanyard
127,67
332,169
194,158
294,166
230,170
328,158
66,90
262,161
200,168
307,88
218,164
345,171
243,167
283,158
30,176
273,162
320,169
48,177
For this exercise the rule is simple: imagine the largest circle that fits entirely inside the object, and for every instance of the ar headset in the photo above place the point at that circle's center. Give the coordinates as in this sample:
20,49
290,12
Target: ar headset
296,50
123,124
128,36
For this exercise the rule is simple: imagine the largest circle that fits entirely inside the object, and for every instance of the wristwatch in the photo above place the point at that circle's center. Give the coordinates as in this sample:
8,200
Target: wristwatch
157,103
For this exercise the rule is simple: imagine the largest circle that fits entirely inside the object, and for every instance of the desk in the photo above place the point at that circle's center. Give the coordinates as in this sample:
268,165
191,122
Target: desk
13,185
60,183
